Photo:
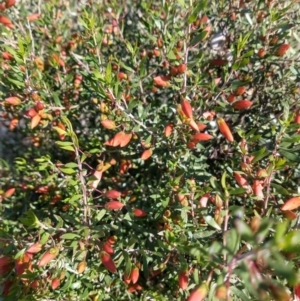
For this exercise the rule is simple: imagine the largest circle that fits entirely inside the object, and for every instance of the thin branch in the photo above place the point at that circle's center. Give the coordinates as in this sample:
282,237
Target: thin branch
39,7
129,115
225,226
234,263
186,56
63,108
83,188
32,40
223,86
97,52
142,92
266,200
77,58
269,178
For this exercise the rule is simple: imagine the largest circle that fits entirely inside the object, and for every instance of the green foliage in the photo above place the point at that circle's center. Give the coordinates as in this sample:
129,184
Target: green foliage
107,189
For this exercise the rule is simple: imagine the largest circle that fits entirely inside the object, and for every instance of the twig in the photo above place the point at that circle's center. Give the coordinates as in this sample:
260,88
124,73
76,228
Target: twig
83,188
223,86
32,41
129,115
269,178
237,260
225,227
149,75
63,108
39,7
97,52
186,55
77,59
57,169
266,201
142,92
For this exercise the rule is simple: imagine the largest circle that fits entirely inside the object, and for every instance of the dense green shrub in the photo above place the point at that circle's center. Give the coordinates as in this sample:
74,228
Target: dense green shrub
150,150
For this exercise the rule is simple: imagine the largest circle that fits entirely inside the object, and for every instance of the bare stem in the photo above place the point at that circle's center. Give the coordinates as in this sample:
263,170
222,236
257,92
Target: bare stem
63,108
223,86
129,115
266,201
186,56
97,52
32,41
77,58
225,227
83,188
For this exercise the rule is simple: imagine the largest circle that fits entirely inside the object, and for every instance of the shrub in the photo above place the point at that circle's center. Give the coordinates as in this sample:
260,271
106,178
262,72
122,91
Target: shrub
150,150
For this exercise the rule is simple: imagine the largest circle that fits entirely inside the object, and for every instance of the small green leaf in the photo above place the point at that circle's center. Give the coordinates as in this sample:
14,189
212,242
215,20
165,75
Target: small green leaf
281,229
223,180
240,64
215,248
291,139
108,73
282,268
17,83
290,155
196,276
204,234
199,7
69,282
279,189
239,293
262,153
215,184
100,215
75,198
247,54
97,74
84,24
30,220
244,230
198,38
184,214
286,110
127,67
237,191
280,162
145,267
128,265
60,223
211,221
181,3
44,238
291,242
232,241
143,68
60,131
171,55
129,47
63,143
263,230
68,148
70,236
71,165
83,157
